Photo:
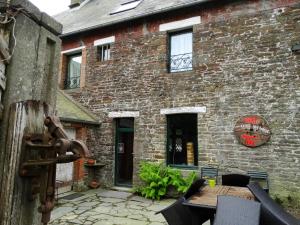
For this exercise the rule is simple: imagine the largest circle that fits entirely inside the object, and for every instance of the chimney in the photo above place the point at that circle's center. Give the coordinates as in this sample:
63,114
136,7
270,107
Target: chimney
75,3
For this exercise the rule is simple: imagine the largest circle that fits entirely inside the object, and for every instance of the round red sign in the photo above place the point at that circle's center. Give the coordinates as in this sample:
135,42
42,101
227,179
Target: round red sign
252,131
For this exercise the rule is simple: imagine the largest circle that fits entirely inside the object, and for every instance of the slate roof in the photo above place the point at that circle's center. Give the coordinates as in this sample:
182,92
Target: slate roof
96,13
69,110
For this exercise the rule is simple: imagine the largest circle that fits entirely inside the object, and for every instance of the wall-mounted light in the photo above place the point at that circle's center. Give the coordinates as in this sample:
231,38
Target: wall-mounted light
296,48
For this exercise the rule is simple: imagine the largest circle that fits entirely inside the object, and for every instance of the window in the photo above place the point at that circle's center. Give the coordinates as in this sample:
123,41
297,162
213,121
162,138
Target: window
127,6
103,52
181,51
73,72
182,144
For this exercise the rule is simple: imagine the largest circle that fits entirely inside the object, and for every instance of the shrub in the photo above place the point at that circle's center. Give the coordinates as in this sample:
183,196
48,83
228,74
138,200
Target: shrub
157,178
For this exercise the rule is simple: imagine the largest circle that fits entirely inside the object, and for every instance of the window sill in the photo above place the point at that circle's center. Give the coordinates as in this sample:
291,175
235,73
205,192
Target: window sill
181,72
71,90
187,167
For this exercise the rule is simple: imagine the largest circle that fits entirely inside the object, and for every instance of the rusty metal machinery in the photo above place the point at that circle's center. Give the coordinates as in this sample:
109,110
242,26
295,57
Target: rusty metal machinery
40,154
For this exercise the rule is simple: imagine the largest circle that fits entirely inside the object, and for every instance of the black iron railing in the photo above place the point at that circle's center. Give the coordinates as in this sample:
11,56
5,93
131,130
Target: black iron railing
72,82
182,62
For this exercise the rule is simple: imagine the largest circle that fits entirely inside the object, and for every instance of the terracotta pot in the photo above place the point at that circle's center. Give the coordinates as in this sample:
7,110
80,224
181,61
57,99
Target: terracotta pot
94,184
91,161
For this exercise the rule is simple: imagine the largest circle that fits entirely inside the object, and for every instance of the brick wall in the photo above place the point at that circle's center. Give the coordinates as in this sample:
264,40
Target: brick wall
242,65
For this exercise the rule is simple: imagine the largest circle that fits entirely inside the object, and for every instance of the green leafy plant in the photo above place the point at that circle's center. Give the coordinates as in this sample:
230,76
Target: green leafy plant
157,178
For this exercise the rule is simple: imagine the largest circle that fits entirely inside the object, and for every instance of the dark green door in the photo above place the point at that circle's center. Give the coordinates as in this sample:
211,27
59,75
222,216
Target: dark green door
124,152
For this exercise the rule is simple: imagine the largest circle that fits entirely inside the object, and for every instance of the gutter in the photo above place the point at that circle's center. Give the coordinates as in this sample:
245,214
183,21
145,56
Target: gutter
70,120
134,18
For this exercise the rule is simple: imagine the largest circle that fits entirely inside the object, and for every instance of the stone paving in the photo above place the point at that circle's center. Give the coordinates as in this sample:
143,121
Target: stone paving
106,207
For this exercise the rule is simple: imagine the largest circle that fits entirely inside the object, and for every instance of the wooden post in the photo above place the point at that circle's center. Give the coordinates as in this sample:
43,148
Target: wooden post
25,118
29,80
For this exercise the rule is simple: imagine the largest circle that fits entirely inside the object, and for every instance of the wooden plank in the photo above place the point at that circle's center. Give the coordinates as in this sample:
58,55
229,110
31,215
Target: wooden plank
26,117
208,196
2,76
4,50
2,86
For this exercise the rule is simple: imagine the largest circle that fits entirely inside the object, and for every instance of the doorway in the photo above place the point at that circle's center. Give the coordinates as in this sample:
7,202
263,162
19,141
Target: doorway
124,151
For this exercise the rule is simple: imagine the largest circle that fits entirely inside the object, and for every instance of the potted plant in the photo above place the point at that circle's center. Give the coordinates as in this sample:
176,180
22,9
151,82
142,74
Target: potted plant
91,161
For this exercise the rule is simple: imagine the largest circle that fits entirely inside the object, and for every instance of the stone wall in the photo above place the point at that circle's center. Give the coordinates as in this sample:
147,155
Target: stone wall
242,65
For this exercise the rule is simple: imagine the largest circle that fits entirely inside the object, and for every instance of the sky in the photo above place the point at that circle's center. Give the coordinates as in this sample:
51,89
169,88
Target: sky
51,7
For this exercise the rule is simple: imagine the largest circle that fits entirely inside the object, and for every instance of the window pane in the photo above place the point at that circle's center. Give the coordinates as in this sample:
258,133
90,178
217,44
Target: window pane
181,52
182,139
104,52
181,44
126,123
74,69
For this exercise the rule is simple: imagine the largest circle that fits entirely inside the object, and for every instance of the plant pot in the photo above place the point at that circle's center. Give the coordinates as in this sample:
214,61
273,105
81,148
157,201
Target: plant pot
172,192
94,184
91,161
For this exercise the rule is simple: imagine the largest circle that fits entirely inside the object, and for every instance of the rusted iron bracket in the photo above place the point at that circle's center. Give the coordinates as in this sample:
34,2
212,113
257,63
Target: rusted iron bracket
40,154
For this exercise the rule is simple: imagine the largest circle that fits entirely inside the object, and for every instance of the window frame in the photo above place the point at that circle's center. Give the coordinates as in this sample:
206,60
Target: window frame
174,33
67,73
196,150
100,52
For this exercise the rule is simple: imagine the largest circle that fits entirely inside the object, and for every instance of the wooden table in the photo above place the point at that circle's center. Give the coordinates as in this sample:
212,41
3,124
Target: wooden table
207,197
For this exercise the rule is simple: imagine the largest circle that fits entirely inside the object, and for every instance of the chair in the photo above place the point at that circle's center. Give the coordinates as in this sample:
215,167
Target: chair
199,216
271,212
194,188
237,211
177,214
238,180
209,172
261,177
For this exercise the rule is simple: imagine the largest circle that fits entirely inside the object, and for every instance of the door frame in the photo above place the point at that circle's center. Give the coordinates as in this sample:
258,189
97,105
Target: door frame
117,139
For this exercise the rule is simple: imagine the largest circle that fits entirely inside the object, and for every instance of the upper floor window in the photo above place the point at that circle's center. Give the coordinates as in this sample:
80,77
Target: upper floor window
181,51
72,79
103,52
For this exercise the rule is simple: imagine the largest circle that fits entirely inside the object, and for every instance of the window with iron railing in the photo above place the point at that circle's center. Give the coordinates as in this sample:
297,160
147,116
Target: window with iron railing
181,51
73,73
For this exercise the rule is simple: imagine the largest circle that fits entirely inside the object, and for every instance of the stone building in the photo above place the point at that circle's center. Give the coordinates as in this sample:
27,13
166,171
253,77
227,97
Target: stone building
76,120
171,78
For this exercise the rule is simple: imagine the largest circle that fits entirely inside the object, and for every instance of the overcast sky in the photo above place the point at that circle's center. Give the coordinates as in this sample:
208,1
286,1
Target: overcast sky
52,7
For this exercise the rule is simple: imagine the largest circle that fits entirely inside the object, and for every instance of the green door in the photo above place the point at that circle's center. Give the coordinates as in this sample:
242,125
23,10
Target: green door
124,152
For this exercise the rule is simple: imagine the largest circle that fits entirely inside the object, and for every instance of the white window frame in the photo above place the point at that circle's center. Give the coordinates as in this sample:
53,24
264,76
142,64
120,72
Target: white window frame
101,44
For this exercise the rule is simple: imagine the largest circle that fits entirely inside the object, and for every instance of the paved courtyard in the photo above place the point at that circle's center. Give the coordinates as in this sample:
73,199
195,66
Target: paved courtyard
106,207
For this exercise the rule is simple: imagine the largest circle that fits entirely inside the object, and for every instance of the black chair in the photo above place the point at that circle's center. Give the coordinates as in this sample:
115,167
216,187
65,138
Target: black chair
271,212
237,211
194,188
209,172
238,180
177,214
199,216
260,177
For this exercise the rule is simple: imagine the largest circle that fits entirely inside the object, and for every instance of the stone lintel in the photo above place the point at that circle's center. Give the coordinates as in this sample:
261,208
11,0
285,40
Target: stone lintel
73,50
179,110
124,114
103,41
180,24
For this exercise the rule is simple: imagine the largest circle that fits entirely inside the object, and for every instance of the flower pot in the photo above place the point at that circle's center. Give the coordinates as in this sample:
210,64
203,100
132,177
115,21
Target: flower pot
91,161
94,184
172,192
